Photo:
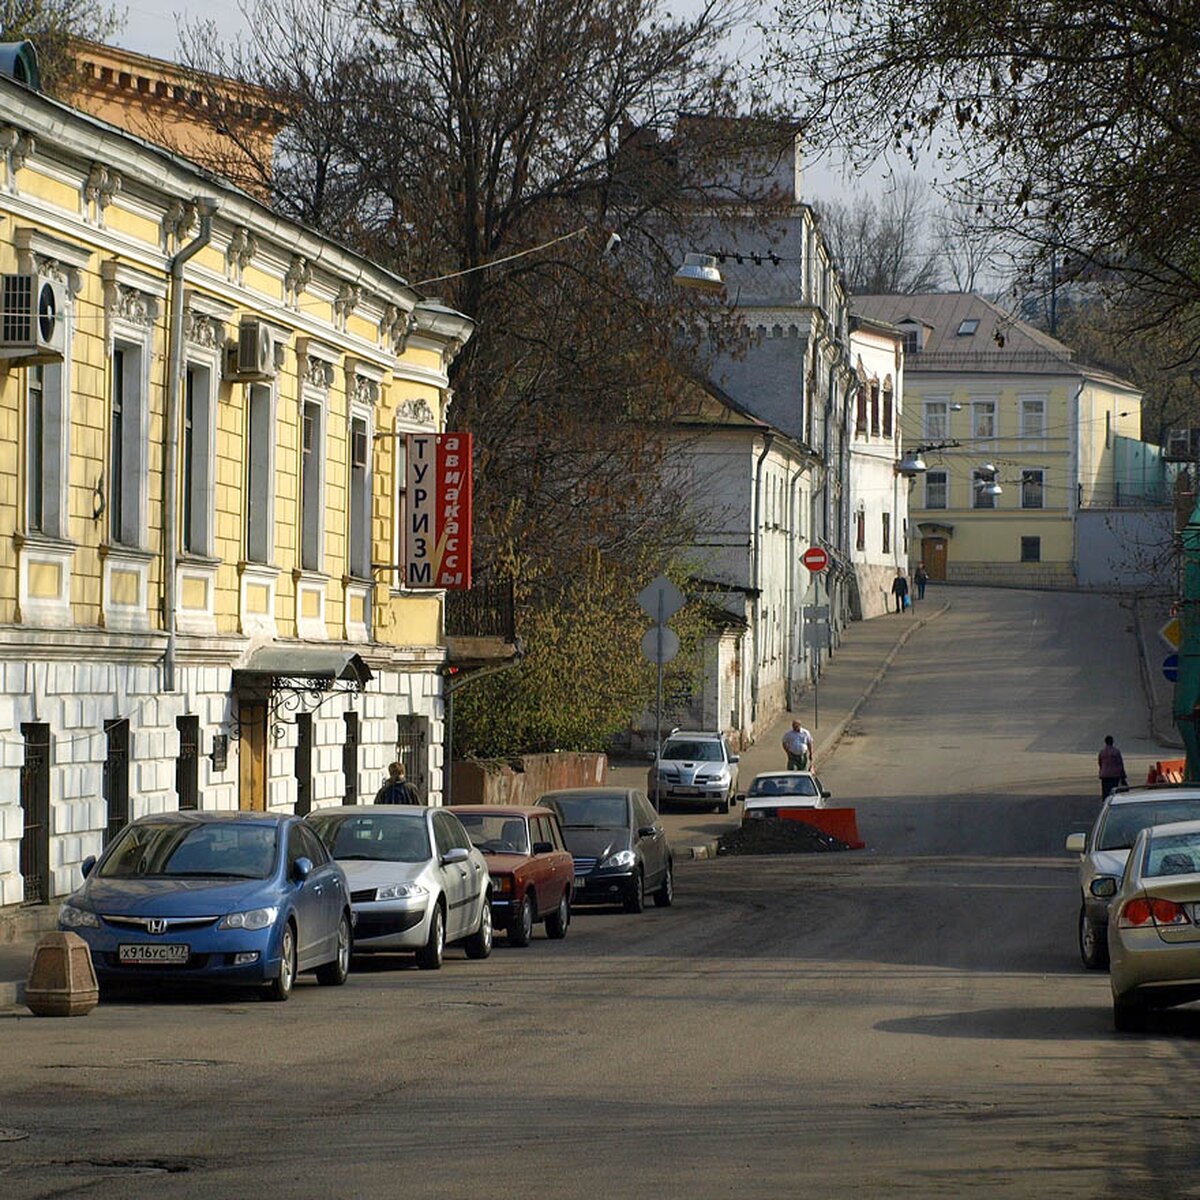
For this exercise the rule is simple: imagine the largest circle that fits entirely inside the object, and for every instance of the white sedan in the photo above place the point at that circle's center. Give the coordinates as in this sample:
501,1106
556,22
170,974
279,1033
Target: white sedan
773,790
416,881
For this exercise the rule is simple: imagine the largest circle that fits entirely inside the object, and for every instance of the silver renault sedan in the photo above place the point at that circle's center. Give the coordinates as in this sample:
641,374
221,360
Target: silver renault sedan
416,881
1104,849
1154,927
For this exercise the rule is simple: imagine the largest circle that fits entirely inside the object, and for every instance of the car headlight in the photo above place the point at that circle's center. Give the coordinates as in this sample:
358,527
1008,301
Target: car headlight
720,777
622,858
254,918
400,891
77,918
502,884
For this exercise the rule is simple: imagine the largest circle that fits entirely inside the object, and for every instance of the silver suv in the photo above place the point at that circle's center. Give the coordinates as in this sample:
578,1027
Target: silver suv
694,767
1105,848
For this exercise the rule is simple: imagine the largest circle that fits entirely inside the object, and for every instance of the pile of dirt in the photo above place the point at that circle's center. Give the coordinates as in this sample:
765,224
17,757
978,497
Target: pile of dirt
777,837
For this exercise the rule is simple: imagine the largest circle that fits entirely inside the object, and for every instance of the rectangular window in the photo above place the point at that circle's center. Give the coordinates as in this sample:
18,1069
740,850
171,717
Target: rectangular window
887,533
935,419
400,457
303,763
1108,431
860,532
350,758
935,489
34,853
116,777
983,419
982,496
1033,417
116,466
196,468
187,765
874,410
127,446
360,499
1031,549
259,493
36,435
887,412
1032,489
312,441
860,417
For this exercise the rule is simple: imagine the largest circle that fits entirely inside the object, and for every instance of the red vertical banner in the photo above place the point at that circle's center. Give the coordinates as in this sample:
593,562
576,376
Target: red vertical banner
438,511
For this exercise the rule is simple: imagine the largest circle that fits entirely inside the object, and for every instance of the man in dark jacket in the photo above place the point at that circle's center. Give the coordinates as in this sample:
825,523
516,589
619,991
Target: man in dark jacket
899,590
397,790
1112,768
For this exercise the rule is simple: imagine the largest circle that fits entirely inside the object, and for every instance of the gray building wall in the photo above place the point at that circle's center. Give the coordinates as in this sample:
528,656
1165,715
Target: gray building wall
1126,548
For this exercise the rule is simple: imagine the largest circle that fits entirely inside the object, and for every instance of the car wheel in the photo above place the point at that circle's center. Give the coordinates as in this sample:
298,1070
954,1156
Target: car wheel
1128,1017
479,944
723,807
335,973
429,957
635,895
1093,948
520,931
559,920
280,988
665,896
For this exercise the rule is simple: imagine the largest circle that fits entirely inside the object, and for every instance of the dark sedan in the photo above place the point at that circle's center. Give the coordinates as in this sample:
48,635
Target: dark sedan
619,846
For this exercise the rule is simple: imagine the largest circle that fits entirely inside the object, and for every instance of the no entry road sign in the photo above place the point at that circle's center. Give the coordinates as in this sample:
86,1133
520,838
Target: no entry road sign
815,559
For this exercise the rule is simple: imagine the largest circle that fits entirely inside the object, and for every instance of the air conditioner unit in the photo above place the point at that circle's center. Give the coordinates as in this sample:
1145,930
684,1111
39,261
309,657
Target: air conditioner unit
253,358
33,319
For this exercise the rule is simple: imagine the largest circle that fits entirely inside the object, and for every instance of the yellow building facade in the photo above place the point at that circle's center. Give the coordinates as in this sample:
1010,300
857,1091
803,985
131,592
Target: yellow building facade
1017,439
203,409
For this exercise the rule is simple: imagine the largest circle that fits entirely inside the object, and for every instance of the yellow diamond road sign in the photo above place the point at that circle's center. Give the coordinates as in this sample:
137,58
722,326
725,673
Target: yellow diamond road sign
1172,633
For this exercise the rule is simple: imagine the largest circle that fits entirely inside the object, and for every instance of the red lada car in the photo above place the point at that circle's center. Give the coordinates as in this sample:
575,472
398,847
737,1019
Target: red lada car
532,870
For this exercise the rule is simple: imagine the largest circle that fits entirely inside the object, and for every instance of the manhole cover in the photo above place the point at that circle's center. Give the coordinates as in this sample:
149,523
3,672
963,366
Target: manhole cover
13,1135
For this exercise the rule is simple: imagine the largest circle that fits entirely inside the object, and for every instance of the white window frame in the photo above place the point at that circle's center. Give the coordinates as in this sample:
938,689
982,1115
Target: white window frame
47,479
134,473
200,470
358,510
933,409
1027,429
312,507
258,491
980,411
1041,482
943,477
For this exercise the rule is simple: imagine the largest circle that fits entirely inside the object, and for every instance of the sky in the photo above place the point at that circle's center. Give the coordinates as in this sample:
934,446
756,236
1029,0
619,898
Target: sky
152,27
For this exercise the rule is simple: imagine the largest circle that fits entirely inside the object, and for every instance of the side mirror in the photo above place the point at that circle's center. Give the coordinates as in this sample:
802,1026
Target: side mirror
1077,843
1104,888
651,755
302,869
646,831
456,854
87,865
826,795
737,798
733,758
542,847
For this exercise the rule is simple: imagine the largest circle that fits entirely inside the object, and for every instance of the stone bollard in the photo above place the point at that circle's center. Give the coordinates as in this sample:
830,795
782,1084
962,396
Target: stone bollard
62,980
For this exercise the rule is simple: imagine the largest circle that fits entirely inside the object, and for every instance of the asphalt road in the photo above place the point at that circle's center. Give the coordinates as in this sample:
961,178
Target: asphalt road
907,1020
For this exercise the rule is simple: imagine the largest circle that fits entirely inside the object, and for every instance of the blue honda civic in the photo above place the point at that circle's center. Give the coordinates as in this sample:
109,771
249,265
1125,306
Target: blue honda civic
225,898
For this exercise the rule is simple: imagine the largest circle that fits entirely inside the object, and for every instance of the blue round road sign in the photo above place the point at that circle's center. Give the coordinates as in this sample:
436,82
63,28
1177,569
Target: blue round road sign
1170,667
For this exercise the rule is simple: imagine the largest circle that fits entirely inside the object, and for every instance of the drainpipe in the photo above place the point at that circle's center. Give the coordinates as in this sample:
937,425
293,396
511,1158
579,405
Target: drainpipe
794,608
756,570
206,206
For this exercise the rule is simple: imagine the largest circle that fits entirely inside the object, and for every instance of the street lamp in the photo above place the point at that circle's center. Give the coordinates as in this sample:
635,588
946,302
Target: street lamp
911,465
699,272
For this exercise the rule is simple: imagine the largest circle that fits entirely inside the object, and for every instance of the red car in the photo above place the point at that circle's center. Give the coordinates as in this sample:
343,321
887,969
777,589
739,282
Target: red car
532,871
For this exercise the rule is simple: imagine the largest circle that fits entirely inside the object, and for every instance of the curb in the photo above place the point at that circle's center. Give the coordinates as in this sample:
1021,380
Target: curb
705,850
839,732
12,995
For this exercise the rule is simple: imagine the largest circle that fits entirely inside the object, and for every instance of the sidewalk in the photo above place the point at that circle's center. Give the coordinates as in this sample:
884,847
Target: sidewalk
851,675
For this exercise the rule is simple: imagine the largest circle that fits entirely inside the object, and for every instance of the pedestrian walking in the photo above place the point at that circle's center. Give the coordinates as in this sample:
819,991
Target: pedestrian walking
900,590
397,789
1112,768
921,578
798,746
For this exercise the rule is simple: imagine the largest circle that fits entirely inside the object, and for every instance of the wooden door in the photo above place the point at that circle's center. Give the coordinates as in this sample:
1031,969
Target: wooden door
252,756
933,551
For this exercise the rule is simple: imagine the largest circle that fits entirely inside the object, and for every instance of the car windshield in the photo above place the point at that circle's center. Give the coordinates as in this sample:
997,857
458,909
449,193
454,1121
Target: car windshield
230,850
784,785
375,836
495,833
1125,821
590,812
1173,854
692,751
